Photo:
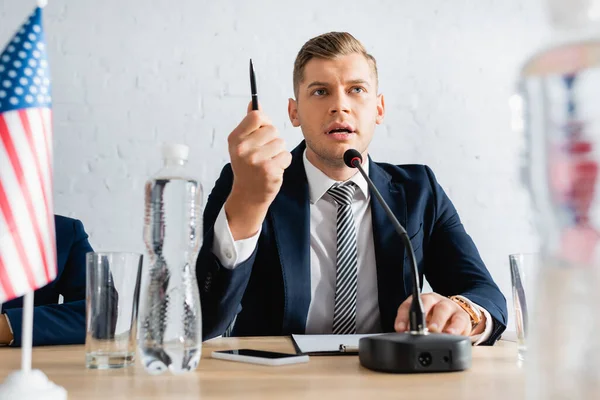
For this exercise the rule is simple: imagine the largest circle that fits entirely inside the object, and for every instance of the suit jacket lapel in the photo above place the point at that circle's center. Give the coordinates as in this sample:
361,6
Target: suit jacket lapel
290,216
392,276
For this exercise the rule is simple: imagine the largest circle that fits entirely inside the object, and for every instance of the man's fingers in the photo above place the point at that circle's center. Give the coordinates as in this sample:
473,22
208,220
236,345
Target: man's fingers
251,122
428,300
266,152
401,323
440,314
402,317
249,110
283,159
259,138
459,324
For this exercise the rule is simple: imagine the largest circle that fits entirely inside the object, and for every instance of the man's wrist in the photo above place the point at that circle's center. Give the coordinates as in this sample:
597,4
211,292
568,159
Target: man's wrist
476,316
243,217
481,326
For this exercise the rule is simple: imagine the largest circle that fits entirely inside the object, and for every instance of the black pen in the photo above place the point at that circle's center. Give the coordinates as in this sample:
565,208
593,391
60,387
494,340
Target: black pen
253,87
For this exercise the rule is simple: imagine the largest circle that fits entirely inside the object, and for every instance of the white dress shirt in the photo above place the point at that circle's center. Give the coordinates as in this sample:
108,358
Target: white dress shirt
323,244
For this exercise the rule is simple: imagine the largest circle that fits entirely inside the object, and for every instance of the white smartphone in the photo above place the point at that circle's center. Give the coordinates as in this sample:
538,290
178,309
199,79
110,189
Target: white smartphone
260,357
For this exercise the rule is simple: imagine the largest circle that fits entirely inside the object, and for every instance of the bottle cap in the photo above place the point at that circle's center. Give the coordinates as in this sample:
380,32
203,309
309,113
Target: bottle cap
174,151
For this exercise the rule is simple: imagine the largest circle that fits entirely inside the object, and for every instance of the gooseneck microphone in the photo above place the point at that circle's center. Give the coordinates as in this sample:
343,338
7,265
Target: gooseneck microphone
353,159
417,350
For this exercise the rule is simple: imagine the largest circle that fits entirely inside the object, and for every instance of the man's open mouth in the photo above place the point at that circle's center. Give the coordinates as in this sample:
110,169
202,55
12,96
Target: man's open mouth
340,130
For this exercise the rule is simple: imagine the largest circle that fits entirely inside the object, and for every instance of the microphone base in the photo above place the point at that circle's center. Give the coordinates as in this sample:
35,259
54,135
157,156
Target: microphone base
408,353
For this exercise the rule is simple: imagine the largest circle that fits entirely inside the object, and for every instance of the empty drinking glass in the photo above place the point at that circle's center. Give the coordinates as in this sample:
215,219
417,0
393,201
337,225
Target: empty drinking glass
523,270
112,296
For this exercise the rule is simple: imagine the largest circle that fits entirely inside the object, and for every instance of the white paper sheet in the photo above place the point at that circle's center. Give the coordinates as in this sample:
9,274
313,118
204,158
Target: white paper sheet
326,343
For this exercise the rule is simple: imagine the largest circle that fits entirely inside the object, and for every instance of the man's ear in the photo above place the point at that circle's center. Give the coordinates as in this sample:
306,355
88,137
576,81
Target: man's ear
293,112
380,109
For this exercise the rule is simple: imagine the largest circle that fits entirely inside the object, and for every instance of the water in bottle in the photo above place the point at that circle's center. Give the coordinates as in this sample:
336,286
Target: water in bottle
170,323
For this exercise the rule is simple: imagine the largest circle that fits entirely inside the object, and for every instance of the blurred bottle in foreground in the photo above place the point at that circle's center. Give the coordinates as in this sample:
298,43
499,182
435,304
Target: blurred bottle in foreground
560,102
170,322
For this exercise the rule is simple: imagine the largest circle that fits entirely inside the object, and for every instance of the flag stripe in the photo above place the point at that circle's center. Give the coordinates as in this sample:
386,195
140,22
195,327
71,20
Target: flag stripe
3,294
34,117
46,118
43,183
10,258
5,208
5,284
9,146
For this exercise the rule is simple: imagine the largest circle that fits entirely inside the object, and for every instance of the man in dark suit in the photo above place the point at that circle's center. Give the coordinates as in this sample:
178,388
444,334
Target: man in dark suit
295,243
55,323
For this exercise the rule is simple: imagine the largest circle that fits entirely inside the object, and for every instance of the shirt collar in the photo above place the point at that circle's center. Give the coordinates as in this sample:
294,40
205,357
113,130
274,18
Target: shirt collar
319,183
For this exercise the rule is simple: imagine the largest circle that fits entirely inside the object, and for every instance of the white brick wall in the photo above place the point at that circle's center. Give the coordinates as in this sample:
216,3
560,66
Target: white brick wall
128,75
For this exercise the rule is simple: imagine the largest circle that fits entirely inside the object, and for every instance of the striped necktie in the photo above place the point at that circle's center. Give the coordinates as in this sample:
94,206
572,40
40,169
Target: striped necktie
344,311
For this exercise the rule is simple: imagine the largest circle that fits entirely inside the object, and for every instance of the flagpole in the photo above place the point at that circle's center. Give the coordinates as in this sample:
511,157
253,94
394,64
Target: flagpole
26,332
27,327
27,383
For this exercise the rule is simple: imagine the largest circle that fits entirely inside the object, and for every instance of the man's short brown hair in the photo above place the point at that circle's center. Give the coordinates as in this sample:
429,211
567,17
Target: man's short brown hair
329,46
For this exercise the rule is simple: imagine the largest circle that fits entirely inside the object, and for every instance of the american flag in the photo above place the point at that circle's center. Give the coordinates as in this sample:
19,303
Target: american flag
27,237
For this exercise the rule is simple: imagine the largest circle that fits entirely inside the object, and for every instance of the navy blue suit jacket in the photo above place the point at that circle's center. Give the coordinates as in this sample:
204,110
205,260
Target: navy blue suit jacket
58,323
270,292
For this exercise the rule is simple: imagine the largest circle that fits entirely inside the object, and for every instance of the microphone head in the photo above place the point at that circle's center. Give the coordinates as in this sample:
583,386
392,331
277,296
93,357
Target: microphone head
350,155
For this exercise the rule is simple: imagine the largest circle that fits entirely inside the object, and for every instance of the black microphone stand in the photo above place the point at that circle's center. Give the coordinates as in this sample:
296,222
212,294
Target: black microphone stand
417,350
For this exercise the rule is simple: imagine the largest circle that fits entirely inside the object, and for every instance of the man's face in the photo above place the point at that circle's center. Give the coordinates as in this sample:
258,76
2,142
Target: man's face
337,108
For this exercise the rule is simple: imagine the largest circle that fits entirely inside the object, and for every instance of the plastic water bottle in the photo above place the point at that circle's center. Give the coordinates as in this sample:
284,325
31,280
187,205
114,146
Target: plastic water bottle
170,323
560,93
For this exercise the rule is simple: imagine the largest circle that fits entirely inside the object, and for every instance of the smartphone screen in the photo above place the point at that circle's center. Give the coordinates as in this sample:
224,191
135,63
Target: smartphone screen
258,353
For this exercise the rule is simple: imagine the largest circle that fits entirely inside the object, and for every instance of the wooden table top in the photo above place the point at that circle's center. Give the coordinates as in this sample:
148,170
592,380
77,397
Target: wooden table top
493,375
